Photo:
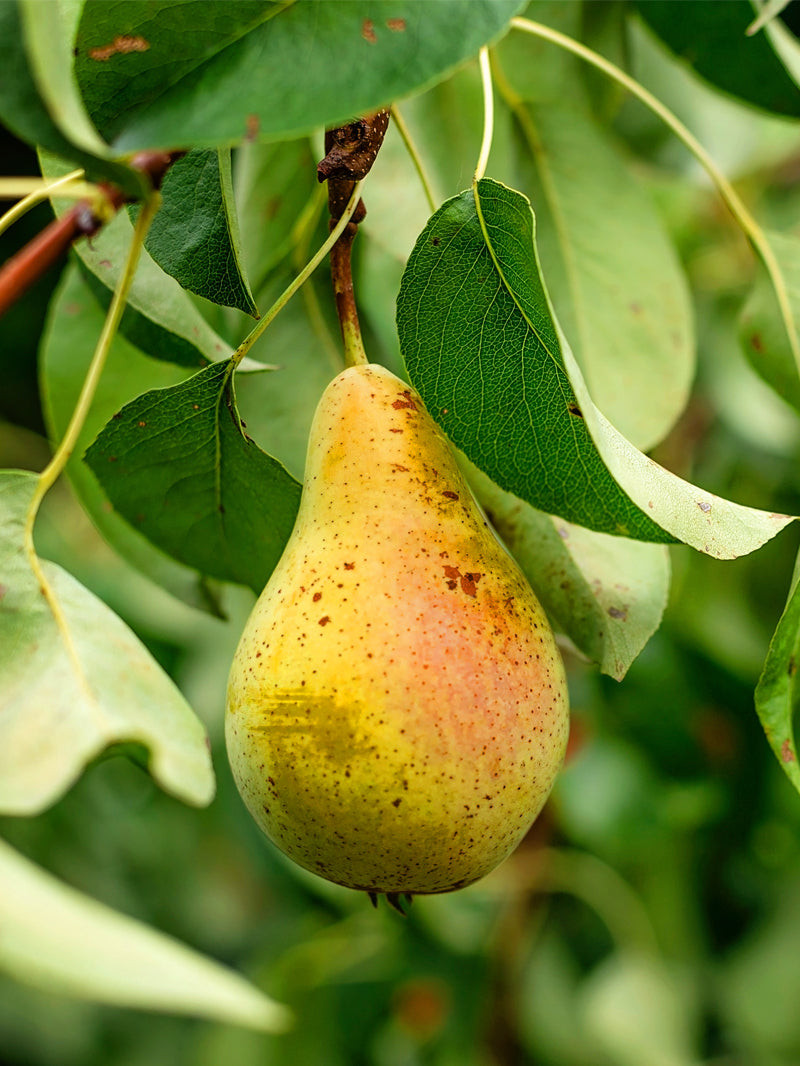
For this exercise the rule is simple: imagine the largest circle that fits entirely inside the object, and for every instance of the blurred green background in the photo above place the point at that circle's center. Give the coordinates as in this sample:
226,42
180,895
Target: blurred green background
652,916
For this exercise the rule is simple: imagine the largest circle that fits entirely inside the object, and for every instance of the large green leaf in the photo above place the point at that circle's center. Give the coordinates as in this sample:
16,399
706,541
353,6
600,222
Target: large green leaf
296,69
483,348
777,692
178,465
712,37
61,941
195,235
762,331
612,273
23,111
74,679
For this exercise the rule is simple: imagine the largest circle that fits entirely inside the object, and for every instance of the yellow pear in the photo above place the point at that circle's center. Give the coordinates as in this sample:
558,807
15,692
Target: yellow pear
397,706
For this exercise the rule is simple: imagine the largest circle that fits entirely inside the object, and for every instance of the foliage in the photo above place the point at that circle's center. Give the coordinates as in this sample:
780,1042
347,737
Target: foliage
604,326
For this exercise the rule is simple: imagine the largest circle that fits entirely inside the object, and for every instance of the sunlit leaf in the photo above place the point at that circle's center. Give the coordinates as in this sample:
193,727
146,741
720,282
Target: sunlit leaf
74,679
482,347
66,943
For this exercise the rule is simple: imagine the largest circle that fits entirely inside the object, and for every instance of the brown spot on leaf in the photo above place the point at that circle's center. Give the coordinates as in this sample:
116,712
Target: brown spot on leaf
141,425
787,751
756,343
620,613
122,45
252,124
574,410
396,25
704,506
368,31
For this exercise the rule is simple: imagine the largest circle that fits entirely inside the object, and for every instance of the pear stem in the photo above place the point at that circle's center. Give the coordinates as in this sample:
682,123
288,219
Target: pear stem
350,152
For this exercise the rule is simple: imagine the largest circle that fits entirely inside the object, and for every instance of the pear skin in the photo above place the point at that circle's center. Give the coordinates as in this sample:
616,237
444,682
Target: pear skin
397,706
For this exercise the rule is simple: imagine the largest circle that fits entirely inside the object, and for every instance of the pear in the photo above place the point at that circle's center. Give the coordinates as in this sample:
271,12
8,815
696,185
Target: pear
397,706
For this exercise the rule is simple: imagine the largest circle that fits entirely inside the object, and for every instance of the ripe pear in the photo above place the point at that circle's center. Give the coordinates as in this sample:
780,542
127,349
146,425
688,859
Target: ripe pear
397,706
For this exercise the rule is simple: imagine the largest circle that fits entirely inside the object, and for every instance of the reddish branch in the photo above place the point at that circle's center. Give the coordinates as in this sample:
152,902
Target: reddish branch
351,151
82,220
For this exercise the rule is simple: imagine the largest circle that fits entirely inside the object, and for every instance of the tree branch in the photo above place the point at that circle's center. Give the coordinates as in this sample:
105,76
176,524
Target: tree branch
82,220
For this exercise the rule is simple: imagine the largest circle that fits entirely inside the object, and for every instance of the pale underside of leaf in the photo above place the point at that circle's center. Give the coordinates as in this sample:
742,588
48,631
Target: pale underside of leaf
57,939
606,594
74,679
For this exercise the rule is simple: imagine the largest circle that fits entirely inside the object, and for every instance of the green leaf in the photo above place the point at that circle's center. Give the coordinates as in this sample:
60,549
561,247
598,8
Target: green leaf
481,345
75,679
159,312
777,692
177,464
762,332
313,64
274,185
23,111
73,326
712,38
607,594
195,235
61,941
612,273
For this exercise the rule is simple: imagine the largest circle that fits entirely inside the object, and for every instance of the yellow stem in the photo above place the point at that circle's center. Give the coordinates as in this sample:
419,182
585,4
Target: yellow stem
488,115
300,280
735,205
61,456
34,190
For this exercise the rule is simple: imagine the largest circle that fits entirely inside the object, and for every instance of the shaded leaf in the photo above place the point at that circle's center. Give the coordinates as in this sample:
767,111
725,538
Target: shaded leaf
23,111
73,326
290,74
482,347
74,679
612,273
59,940
195,235
158,308
777,693
607,594
178,465
762,332
713,39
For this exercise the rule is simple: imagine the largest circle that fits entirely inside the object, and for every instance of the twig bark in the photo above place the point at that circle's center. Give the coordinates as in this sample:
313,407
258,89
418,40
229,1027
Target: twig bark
82,220
351,150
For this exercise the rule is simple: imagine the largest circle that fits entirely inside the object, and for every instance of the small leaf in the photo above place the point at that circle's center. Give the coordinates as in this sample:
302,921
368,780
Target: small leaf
195,236
777,692
61,941
713,39
607,594
297,68
482,346
177,328
762,332
177,464
74,679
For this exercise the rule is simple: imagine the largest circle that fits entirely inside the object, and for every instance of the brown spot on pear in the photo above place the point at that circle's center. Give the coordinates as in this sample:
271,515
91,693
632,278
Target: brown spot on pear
456,701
